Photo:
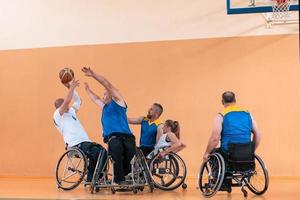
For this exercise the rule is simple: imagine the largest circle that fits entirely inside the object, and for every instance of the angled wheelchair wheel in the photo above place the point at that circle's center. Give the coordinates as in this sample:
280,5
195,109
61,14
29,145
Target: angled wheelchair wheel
258,182
145,169
71,169
100,171
168,173
211,175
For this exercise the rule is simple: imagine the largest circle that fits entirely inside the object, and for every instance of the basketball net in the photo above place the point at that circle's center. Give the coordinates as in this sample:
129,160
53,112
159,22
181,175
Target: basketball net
281,9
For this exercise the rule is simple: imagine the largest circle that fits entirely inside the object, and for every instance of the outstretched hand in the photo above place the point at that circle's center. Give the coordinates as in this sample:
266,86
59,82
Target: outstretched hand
87,71
66,84
74,84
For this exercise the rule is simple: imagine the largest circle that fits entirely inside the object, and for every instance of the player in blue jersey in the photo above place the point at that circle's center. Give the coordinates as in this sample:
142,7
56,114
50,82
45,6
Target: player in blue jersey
232,125
151,128
116,132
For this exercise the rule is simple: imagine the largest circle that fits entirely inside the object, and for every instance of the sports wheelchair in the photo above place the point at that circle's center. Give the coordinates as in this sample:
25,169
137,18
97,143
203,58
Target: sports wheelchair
169,172
238,168
71,171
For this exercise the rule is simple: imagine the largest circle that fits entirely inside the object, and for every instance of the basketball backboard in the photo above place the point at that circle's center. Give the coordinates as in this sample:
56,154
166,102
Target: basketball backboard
255,6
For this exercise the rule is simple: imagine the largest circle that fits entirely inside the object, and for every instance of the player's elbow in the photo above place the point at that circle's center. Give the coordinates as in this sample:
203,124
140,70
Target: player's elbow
215,140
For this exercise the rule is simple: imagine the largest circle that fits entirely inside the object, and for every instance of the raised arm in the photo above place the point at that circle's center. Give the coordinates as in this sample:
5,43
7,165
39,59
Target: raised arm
96,99
256,133
137,120
76,101
76,98
106,84
65,106
215,136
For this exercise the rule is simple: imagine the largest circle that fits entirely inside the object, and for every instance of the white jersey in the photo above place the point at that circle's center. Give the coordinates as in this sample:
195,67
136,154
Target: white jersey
162,142
70,127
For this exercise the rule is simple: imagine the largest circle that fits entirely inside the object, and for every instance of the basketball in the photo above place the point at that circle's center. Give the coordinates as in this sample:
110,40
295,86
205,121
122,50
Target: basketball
66,75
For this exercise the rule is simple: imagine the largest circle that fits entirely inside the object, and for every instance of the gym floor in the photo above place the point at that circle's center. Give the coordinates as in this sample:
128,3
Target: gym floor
10,188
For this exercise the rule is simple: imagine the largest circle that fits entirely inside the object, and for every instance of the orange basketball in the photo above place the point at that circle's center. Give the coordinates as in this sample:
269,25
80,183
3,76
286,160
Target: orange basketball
66,75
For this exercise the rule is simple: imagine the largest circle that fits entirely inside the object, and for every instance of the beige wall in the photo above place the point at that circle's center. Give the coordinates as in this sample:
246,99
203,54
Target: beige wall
48,23
187,77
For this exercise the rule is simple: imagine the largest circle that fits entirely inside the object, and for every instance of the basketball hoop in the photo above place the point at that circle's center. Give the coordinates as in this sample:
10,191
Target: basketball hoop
281,9
281,13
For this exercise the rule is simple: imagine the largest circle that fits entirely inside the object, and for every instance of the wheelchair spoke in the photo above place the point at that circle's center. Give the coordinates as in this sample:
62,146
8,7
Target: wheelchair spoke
162,181
65,167
79,163
71,162
70,175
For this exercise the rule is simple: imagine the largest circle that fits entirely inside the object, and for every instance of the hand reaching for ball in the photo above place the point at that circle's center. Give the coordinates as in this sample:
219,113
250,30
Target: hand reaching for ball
87,71
74,84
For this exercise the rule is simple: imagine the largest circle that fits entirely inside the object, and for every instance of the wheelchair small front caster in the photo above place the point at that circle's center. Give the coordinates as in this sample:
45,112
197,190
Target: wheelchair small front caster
229,189
244,192
134,190
141,188
184,186
113,191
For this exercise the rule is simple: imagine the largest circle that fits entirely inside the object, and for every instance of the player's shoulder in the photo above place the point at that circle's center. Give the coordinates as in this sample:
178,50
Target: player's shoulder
56,113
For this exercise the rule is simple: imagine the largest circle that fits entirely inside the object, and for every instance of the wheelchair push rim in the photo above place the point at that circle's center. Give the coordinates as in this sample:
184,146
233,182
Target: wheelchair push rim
71,169
258,182
168,173
211,175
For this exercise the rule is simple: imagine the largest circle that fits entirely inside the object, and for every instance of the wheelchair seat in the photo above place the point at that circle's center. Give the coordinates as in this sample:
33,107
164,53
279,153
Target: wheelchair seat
240,157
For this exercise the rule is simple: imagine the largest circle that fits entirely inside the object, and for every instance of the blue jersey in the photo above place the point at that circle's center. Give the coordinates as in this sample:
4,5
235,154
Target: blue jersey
236,127
148,132
114,119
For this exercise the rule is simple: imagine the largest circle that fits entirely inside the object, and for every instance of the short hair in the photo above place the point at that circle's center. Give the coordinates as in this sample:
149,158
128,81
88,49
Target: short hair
58,102
228,97
160,108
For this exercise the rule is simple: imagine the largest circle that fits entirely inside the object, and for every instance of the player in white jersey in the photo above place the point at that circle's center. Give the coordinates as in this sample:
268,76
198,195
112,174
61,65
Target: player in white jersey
68,124
170,139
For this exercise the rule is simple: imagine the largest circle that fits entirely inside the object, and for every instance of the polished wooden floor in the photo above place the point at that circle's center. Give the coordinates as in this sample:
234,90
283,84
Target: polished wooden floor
15,188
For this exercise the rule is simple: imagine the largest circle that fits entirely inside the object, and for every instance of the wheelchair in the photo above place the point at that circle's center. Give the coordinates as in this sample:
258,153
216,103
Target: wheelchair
169,172
71,171
239,168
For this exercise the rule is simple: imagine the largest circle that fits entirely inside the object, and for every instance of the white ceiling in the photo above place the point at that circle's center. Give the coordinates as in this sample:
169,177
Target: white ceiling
47,23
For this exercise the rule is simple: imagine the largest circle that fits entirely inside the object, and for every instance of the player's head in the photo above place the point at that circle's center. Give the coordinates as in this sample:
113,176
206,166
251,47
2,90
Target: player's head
106,97
58,102
155,111
228,97
172,126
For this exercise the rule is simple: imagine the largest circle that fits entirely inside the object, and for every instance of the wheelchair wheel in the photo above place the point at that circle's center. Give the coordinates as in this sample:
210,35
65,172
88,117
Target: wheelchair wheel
146,170
71,169
211,175
168,173
258,182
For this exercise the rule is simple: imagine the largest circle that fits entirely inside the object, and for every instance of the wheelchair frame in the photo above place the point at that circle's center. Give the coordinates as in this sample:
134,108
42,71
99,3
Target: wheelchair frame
220,173
139,178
